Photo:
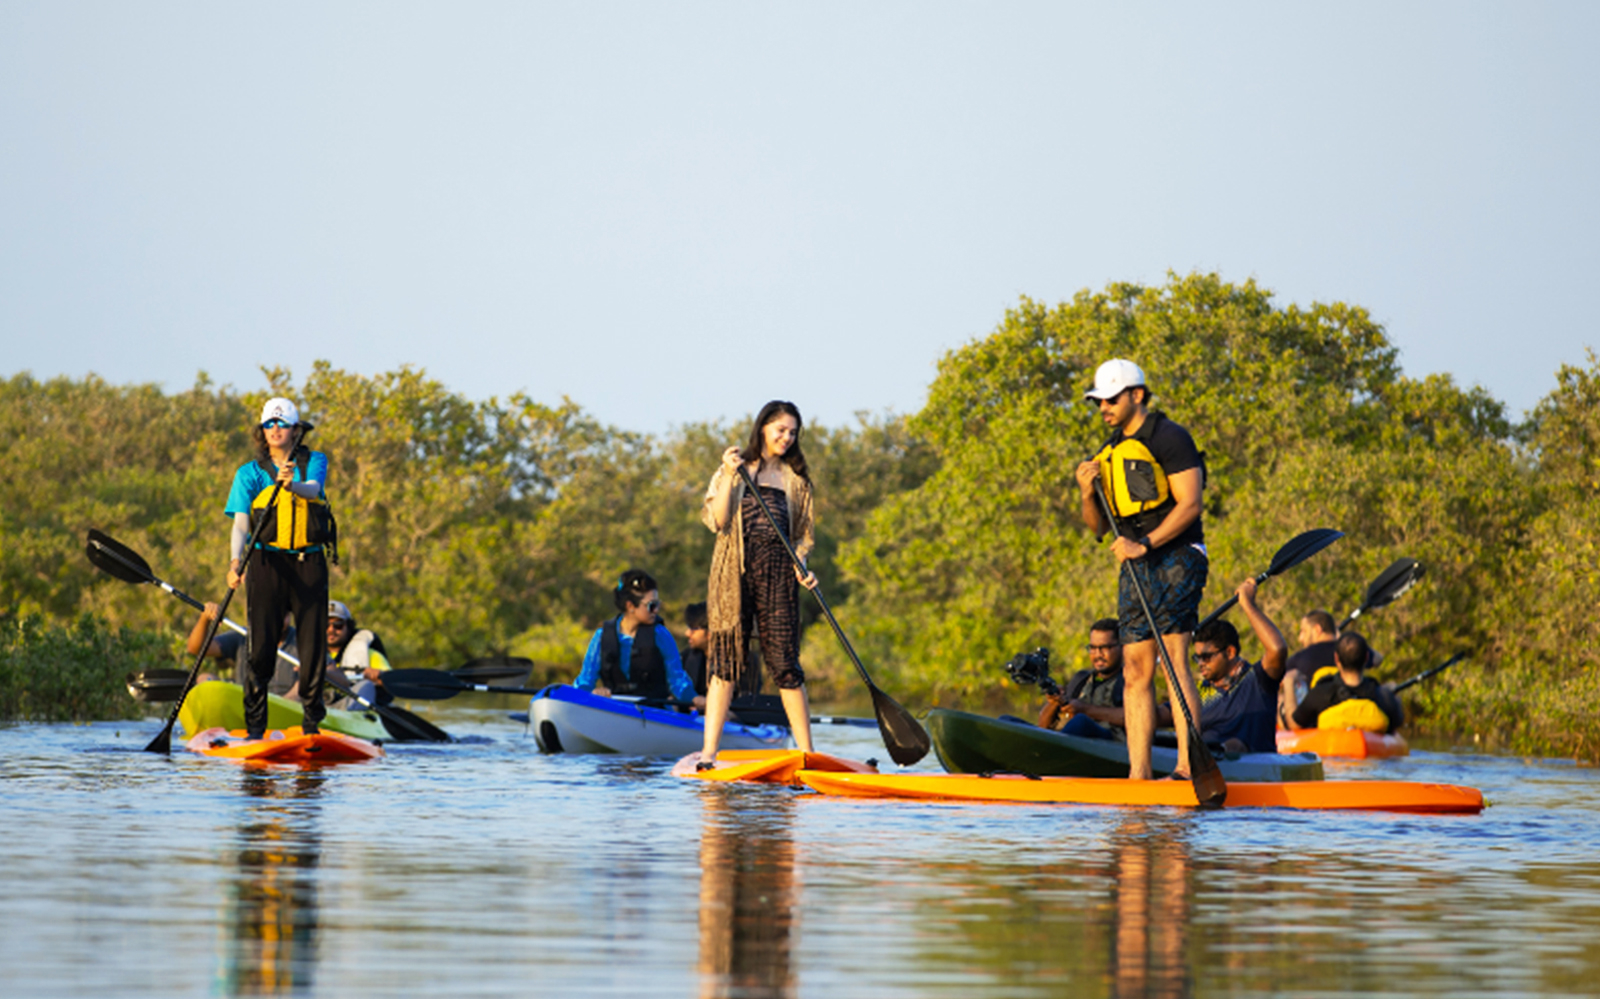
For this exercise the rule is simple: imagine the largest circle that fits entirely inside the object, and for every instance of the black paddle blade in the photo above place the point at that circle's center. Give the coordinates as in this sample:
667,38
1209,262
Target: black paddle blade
116,559
906,740
423,684
1401,575
157,686
1209,786
404,726
495,669
1301,547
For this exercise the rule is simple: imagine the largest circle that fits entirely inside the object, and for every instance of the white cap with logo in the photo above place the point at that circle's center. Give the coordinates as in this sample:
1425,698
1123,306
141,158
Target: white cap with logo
1114,377
279,408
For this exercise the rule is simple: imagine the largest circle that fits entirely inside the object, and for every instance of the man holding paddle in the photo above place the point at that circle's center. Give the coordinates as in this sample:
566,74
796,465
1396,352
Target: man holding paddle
1153,476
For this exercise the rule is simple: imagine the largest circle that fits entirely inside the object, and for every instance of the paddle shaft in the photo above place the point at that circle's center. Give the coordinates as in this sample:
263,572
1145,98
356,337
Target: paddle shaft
1197,747
1425,675
1296,550
162,743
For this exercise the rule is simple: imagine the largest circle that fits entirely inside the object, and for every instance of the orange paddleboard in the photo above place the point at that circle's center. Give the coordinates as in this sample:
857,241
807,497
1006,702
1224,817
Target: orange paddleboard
284,747
767,766
1346,743
1366,795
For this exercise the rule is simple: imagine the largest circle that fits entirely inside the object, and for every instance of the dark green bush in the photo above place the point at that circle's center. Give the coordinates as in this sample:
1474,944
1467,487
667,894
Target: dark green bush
75,672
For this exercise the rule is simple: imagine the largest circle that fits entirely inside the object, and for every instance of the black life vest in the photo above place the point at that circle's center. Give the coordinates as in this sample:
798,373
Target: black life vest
647,669
297,523
1107,693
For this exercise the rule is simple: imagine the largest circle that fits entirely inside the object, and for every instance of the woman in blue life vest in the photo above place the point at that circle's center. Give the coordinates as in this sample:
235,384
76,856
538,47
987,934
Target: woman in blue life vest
288,572
754,585
634,653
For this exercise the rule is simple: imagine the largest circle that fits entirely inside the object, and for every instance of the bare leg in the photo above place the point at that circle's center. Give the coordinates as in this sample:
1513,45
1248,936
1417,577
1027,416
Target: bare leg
719,695
1178,651
1139,705
797,705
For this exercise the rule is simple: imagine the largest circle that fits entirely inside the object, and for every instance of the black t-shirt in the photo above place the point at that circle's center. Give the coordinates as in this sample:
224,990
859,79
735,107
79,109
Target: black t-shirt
1312,658
1247,711
1175,451
1332,691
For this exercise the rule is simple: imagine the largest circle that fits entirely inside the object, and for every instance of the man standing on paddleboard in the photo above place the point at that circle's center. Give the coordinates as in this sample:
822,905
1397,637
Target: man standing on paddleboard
1153,476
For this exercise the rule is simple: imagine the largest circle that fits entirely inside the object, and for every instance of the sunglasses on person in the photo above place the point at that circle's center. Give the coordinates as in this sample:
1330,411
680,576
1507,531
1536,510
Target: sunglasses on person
1093,648
652,605
339,623
275,424
1205,657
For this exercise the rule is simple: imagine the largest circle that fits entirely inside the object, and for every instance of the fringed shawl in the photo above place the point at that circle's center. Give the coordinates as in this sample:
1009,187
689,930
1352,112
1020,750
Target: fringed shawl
725,643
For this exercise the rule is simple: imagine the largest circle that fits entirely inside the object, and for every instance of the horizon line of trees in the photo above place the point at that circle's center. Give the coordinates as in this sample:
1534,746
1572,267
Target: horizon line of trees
948,539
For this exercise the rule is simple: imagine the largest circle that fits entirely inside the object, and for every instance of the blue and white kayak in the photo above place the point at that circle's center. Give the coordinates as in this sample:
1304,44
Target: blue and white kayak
565,719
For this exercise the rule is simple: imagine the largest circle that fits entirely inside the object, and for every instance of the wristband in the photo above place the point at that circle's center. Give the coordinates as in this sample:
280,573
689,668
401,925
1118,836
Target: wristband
1144,543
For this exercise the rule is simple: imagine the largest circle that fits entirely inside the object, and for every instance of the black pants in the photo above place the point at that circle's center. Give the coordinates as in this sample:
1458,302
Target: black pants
277,582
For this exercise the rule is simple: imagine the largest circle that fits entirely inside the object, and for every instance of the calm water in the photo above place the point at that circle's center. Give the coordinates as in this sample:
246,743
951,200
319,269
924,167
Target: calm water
487,869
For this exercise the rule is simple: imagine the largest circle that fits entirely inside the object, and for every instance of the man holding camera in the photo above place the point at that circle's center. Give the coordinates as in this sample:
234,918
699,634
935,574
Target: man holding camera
1090,705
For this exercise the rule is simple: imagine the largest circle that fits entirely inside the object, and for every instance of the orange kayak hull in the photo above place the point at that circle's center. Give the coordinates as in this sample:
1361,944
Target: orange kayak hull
1360,795
1342,743
289,747
767,766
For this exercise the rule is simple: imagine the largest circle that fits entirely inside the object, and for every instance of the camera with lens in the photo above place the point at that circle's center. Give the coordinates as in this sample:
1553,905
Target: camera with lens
1033,668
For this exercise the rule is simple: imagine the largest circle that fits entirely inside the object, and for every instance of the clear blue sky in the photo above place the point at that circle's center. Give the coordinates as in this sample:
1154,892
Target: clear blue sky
675,211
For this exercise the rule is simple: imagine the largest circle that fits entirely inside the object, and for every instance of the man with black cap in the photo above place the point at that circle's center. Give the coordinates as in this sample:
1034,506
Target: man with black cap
1153,477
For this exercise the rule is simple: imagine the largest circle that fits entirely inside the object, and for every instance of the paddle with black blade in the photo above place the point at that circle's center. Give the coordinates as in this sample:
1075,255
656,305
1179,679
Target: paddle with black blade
121,562
438,685
1401,575
1210,789
1425,675
906,740
1296,550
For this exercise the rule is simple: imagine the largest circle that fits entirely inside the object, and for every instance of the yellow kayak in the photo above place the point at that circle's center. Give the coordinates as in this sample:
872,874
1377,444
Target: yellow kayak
766,766
219,704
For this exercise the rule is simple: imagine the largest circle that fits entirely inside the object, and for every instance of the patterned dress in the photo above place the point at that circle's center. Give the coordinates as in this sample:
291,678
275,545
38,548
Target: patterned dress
769,596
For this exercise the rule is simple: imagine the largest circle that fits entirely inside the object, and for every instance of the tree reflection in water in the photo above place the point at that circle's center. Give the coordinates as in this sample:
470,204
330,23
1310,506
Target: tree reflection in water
747,894
271,944
1151,867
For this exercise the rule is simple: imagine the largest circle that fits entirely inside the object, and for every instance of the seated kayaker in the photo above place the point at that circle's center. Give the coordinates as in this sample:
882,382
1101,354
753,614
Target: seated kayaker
1242,717
634,654
231,647
1090,703
1345,697
358,653
1318,633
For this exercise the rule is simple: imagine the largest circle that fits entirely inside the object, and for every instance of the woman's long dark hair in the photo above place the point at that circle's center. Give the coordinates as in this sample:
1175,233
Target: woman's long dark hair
794,457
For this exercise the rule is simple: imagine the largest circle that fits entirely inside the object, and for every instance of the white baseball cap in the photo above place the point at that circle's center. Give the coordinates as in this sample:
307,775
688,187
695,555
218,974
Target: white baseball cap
338,610
279,408
1114,377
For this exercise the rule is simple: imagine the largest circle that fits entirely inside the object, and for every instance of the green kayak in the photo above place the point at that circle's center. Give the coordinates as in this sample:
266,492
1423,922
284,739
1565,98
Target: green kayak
218,704
973,744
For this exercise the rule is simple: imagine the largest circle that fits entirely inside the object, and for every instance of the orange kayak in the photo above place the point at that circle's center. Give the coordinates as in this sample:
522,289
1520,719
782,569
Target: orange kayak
284,747
1347,743
1365,795
767,766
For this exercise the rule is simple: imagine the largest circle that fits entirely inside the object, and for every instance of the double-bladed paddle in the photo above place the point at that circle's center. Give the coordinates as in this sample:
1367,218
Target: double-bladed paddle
439,685
906,740
1425,675
121,562
1401,575
1210,789
1296,550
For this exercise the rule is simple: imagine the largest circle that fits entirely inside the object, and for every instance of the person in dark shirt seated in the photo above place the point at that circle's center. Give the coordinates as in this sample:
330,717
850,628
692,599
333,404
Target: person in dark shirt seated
1243,717
1350,685
1317,636
1090,704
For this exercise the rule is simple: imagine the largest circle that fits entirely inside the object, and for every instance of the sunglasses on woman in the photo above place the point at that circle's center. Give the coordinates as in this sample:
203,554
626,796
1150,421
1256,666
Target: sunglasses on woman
275,424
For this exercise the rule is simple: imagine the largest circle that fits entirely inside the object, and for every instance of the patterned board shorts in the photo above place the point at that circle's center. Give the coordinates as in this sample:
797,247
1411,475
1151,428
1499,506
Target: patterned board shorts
1173,580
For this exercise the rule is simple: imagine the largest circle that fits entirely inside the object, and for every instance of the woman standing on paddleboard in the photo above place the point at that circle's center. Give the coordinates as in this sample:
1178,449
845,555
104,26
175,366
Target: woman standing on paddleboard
754,585
288,572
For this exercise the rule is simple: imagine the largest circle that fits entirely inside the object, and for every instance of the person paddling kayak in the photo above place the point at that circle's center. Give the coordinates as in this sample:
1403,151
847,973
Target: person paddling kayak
1347,697
289,571
359,654
634,653
1154,477
754,584
1243,717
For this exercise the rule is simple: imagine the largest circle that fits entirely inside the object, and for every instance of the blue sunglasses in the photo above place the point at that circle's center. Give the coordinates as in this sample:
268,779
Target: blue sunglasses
274,424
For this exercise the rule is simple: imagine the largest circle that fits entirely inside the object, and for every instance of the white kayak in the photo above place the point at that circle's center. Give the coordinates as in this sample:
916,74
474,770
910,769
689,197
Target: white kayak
565,719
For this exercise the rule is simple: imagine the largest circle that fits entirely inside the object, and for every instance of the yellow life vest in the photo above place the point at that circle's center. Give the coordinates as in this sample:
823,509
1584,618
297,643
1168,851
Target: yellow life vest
1135,482
296,523
1362,714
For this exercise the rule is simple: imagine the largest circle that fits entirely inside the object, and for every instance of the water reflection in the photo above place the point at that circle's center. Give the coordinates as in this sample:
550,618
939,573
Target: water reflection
1151,866
747,894
271,943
